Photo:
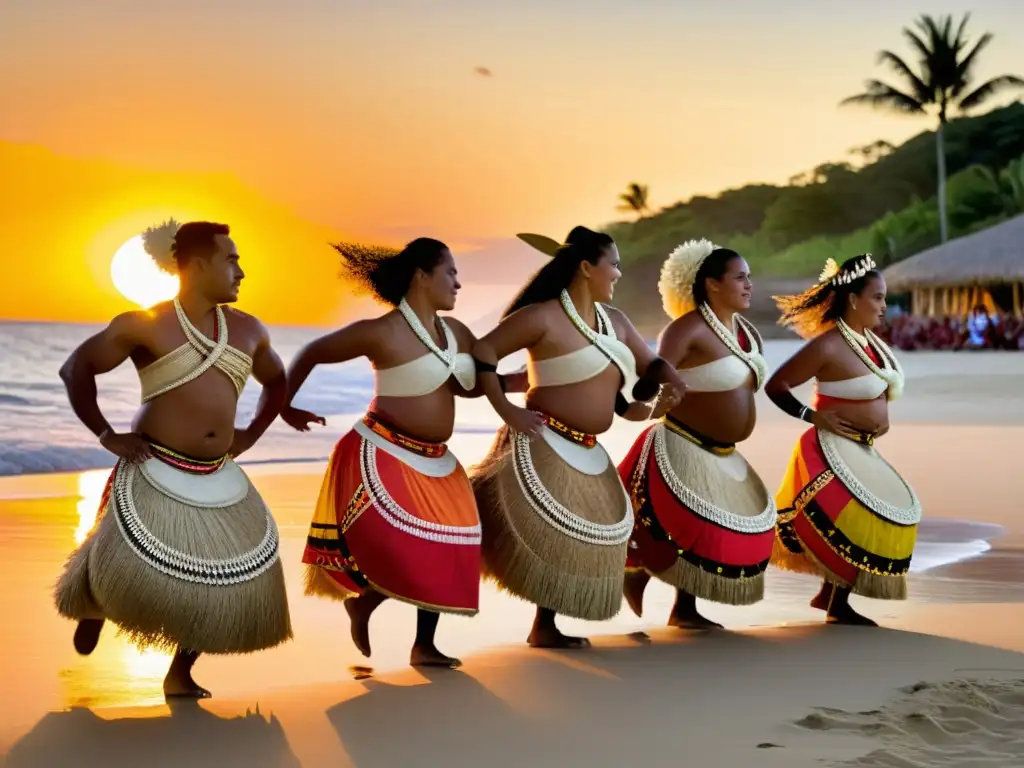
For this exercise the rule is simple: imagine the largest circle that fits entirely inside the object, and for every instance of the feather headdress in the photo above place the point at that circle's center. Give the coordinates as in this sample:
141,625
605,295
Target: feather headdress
158,242
678,274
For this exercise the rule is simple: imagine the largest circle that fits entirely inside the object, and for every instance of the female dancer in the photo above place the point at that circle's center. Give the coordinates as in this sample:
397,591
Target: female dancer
705,522
555,515
396,515
844,512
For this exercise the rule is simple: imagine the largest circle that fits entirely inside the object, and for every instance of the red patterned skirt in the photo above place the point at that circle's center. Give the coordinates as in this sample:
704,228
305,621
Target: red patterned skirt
398,515
704,520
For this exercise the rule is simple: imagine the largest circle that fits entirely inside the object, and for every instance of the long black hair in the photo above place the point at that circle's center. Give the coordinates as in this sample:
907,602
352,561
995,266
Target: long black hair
386,273
581,245
815,310
714,266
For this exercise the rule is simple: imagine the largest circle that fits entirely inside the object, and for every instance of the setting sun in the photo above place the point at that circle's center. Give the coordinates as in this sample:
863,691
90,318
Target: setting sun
137,278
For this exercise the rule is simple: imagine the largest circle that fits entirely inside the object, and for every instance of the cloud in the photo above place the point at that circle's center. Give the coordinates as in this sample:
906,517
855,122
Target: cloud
483,71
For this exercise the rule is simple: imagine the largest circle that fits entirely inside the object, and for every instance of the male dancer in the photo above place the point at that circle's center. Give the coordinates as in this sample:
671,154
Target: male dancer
184,554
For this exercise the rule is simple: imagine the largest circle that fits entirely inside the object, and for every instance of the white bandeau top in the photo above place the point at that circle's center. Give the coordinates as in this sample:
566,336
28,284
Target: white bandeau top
866,387
428,372
721,375
584,364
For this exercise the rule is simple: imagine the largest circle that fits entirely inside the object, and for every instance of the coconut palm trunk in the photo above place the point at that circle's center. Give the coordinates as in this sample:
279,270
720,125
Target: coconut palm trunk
940,164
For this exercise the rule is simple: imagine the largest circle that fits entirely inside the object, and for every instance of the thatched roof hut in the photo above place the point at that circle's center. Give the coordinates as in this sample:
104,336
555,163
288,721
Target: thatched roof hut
984,267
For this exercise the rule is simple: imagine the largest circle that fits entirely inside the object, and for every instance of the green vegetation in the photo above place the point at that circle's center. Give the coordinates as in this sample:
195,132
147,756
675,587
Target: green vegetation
943,81
886,206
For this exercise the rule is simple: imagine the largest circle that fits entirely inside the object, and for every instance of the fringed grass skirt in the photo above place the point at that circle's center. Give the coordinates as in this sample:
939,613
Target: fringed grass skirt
181,559
397,515
556,520
846,514
705,522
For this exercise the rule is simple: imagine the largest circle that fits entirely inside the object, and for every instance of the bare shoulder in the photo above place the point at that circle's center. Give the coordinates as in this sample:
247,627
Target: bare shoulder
135,325
243,322
619,318
463,335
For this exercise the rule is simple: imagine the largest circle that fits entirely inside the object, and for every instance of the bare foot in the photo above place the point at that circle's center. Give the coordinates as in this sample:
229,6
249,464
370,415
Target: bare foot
633,588
844,614
551,637
360,620
686,616
179,685
429,656
87,635
692,621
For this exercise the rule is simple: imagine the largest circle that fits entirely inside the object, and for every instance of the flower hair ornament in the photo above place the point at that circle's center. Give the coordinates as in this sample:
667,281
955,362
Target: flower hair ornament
158,242
836,276
542,243
678,274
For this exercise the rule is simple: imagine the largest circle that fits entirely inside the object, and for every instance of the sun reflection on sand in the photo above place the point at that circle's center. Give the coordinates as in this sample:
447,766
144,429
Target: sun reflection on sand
90,491
127,674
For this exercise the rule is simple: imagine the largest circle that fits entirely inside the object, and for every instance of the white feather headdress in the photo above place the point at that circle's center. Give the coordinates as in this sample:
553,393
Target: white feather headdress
158,242
678,274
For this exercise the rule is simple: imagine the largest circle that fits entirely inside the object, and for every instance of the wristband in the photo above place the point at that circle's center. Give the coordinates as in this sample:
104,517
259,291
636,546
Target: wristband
621,406
647,386
482,367
790,405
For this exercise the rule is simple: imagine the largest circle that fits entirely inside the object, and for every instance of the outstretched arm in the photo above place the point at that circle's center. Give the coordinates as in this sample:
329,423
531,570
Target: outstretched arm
655,372
99,354
512,382
348,343
268,370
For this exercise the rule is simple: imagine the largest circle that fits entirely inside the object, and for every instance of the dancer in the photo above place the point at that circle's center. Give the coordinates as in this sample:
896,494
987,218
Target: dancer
844,512
555,515
396,515
705,522
184,553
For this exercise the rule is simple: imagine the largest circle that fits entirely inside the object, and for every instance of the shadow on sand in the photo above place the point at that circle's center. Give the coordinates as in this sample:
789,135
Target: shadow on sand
623,702
190,736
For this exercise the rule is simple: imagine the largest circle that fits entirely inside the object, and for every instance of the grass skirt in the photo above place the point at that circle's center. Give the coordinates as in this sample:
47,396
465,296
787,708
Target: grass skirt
705,523
400,522
181,560
847,515
555,520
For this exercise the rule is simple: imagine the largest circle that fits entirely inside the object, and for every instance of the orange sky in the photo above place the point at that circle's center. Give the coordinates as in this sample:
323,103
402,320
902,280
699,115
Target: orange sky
297,120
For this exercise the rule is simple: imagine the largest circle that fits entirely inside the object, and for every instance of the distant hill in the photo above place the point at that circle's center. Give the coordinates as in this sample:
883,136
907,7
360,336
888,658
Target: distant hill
836,209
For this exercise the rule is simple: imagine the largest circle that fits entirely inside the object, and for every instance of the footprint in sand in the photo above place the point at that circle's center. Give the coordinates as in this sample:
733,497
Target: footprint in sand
940,725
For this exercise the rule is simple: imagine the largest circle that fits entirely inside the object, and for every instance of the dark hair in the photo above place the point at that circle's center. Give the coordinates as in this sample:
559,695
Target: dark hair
816,309
196,238
581,245
714,267
386,273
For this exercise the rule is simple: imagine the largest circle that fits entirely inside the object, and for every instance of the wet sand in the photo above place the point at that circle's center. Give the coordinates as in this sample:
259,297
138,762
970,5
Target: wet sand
715,698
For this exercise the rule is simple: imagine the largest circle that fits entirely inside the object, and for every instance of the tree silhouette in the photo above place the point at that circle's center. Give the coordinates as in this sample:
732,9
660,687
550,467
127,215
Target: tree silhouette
946,64
634,200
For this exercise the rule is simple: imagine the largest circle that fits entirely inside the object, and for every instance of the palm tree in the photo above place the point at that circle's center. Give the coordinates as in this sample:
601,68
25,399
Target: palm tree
1008,184
634,200
944,78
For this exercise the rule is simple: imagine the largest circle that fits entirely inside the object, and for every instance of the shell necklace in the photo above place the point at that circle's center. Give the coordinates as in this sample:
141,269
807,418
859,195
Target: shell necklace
891,372
755,357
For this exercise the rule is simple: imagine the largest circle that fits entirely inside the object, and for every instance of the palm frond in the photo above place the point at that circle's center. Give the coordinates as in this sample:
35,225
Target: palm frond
963,69
879,95
987,90
960,41
921,91
922,48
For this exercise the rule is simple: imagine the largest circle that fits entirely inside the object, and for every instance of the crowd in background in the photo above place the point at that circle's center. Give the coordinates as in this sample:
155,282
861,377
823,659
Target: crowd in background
981,329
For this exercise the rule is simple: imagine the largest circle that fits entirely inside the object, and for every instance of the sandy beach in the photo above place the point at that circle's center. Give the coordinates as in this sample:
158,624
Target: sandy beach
940,684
